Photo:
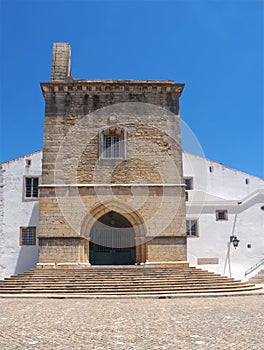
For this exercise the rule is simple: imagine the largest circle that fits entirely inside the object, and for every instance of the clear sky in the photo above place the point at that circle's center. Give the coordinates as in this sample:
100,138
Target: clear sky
214,47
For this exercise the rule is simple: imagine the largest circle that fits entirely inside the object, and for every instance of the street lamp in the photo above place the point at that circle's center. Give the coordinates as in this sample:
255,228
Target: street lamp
234,240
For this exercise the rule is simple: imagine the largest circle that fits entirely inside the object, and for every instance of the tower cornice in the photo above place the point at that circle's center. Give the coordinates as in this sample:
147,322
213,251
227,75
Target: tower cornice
130,86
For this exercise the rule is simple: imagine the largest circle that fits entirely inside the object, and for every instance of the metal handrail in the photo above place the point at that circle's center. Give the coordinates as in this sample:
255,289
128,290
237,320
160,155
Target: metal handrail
254,267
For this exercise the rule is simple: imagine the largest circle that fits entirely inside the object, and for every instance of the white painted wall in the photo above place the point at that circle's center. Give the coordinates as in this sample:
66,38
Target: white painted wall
17,212
223,182
224,188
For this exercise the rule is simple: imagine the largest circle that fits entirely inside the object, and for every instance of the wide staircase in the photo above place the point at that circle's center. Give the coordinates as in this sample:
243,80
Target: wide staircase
257,279
121,281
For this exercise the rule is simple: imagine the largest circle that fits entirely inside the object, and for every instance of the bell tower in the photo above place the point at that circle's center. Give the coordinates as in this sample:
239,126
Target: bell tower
112,187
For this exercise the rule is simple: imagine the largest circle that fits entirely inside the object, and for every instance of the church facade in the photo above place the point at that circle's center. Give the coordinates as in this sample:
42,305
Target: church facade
113,187
237,196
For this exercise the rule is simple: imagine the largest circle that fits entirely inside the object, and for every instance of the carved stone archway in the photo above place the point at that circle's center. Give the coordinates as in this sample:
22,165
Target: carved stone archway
134,218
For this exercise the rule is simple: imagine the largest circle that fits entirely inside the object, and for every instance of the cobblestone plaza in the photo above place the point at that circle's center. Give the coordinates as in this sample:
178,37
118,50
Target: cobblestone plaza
220,323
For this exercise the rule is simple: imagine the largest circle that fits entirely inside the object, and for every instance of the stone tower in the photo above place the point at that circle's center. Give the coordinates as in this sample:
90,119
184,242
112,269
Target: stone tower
112,187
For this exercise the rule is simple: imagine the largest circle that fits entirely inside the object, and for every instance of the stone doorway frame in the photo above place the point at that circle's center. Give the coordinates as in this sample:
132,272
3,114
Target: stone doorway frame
133,217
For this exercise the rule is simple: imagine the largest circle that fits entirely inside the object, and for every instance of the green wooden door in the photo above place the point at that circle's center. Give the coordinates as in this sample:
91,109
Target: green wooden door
112,246
112,241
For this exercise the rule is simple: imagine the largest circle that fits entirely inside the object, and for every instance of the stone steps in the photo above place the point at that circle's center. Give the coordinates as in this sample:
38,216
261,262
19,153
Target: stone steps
119,278
123,286
121,281
123,289
258,279
116,283
121,271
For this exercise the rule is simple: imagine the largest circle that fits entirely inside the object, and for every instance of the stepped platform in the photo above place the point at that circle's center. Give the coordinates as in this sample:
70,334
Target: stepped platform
99,281
257,279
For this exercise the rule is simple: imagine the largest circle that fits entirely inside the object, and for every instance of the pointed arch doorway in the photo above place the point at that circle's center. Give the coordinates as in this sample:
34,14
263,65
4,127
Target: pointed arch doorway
112,241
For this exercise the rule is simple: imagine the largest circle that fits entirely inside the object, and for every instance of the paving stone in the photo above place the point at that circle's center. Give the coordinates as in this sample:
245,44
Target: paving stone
221,323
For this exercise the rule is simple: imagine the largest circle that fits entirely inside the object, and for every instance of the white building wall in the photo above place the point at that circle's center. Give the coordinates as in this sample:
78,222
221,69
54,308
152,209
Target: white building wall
223,182
225,189
16,212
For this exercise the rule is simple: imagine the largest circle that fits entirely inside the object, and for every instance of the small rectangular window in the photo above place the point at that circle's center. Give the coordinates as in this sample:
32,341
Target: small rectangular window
111,146
28,235
221,215
211,168
31,187
188,183
28,162
112,143
192,228
186,196
247,181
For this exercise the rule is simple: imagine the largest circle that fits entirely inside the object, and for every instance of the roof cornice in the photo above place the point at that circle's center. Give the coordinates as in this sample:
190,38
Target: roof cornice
105,86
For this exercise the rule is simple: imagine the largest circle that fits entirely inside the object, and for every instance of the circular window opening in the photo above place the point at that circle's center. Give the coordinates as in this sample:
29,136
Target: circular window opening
262,208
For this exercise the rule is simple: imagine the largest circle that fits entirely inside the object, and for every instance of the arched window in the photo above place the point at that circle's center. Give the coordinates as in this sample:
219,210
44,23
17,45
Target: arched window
112,143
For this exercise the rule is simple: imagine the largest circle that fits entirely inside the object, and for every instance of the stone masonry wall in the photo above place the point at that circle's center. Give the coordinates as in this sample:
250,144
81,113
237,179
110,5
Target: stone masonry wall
66,110
60,68
77,115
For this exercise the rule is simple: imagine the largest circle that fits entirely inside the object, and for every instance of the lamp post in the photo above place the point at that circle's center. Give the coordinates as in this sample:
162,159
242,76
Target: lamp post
234,240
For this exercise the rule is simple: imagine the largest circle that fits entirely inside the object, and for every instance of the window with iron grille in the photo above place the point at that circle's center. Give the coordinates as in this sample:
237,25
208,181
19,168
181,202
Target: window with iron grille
192,228
112,143
111,146
188,183
28,235
31,187
221,215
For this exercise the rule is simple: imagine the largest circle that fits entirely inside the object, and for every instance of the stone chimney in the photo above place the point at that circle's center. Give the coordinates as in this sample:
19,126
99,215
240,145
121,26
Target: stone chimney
61,62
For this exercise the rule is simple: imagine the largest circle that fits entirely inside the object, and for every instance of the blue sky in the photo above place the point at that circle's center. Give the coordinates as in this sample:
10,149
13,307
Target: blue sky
214,47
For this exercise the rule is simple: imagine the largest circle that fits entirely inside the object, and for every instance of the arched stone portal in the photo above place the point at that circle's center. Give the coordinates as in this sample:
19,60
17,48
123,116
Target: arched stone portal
112,241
